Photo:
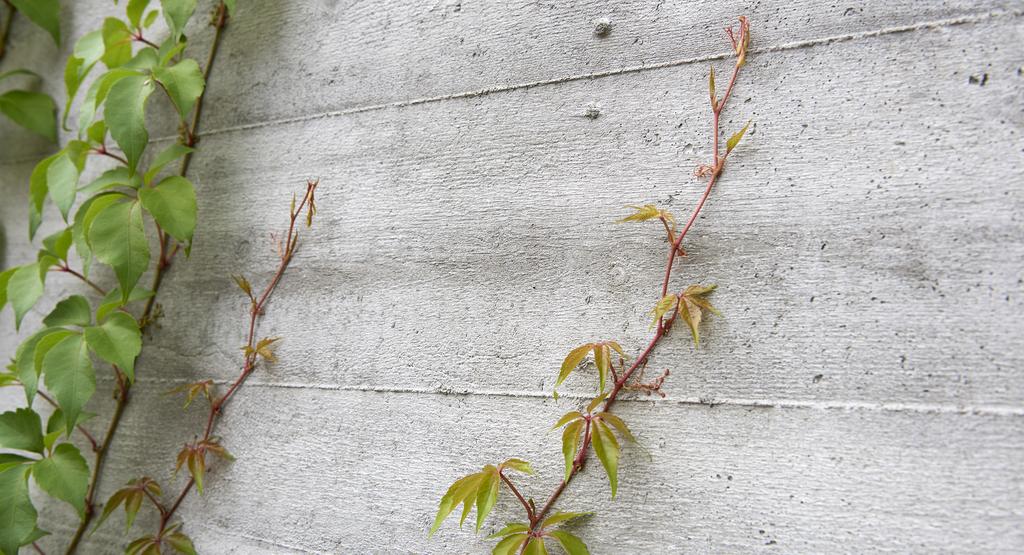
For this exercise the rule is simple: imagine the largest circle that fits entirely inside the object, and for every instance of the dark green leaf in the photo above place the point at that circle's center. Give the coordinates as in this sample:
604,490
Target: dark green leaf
21,429
31,110
17,515
173,205
117,238
126,116
72,311
117,341
64,475
44,13
69,375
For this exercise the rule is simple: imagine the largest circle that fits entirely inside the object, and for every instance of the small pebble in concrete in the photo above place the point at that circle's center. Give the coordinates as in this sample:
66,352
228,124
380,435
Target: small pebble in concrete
603,27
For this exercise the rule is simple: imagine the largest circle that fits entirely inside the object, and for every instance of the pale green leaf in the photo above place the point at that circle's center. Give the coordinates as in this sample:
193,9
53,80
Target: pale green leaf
231,6
177,14
735,139
58,243
5,277
113,301
166,156
117,42
518,465
618,424
607,450
566,418
511,528
572,360
117,177
486,497
134,11
536,547
84,217
602,356
64,475
62,182
664,306
24,288
510,545
571,444
570,543
69,375
462,491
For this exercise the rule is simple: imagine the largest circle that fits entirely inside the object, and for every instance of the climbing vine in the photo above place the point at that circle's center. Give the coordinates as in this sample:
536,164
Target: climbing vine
596,428
105,222
34,111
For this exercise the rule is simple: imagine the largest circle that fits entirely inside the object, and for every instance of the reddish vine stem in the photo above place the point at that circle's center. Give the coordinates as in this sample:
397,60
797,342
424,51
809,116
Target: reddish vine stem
68,270
256,309
122,394
664,325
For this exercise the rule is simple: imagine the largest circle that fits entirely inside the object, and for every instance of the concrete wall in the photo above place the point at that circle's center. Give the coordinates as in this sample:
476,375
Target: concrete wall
863,392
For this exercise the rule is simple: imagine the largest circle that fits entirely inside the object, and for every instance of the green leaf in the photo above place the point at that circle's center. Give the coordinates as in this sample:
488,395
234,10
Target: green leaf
126,116
486,497
517,465
69,375
735,139
166,156
183,82
59,243
17,515
97,133
602,359
618,424
231,6
510,545
37,194
64,475
24,363
46,342
83,220
24,288
181,543
44,13
5,277
97,94
596,401
664,306
117,177
511,528
561,517
462,491
31,110
570,543
172,204
117,43
572,360
117,341
693,302
607,449
118,238
536,547
197,468
135,10
150,18
113,301
571,444
72,311
21,429
567,418
88,51
15,72
177,14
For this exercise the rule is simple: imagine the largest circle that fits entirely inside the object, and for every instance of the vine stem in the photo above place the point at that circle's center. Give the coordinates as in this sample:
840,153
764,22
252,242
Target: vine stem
124,387
68,270
256,310
664,325
5,31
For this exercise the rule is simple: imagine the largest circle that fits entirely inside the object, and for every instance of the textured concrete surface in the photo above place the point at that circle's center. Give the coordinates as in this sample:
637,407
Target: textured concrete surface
864,391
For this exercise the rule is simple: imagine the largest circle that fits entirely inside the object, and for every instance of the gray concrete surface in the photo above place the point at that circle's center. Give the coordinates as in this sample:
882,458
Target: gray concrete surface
864,391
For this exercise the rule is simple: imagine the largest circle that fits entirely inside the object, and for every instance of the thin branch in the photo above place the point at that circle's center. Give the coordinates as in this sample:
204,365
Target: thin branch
104,152
511,486
68,270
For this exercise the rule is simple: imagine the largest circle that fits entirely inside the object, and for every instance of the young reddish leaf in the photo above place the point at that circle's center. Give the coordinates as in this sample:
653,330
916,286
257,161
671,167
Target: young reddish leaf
570,543
567,418
607,449
214,446
572,360
132,504
510,528
693,301
519,465
510,545
197,467
618,424
571,443
711,89
143,546
264,350
602,354
113,503
664,306
243,284
561,517
642,214
735,139
596,401
192,390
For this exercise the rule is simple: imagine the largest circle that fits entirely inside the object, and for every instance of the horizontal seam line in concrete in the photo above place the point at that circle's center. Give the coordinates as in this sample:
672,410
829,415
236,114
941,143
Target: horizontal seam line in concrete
933,408
807,43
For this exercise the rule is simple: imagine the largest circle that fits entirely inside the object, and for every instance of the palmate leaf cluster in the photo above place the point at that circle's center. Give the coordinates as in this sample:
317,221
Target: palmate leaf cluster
114,74
581,429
